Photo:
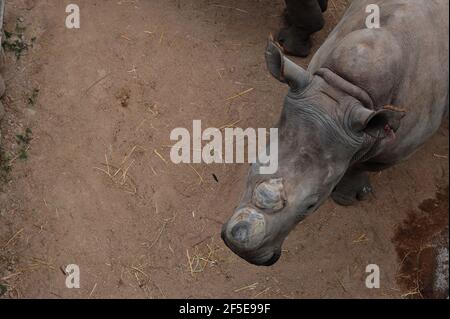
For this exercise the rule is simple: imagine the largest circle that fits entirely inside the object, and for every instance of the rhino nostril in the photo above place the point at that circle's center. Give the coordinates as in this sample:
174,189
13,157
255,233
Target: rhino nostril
240,232
245,231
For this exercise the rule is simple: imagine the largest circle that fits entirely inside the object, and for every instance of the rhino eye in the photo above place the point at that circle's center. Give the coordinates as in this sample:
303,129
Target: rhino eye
270,194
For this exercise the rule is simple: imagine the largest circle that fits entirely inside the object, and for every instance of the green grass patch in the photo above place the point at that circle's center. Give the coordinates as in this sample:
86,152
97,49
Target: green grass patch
15,41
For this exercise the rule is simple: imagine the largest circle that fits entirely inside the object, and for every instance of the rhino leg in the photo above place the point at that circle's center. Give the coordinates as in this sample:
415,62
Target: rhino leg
355,185
304,17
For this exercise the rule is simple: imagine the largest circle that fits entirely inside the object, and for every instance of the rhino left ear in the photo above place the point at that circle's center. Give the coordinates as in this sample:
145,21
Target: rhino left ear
378,123
283,69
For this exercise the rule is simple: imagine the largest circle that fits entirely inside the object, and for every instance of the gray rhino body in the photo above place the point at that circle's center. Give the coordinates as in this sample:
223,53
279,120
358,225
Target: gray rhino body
404,63
369,99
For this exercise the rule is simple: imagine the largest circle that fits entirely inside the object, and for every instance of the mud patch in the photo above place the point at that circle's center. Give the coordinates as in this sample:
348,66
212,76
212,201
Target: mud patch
422,246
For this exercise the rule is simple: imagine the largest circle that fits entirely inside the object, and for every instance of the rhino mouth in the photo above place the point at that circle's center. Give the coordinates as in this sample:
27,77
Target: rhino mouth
272,260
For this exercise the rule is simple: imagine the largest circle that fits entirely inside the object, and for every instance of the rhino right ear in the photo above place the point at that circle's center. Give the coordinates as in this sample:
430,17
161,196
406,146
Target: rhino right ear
379,123
285,70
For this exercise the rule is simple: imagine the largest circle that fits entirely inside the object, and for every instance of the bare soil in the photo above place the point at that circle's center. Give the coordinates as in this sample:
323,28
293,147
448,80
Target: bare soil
91,183
422,245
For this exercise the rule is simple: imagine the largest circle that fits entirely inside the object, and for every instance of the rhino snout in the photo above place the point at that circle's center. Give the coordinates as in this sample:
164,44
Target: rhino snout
246,230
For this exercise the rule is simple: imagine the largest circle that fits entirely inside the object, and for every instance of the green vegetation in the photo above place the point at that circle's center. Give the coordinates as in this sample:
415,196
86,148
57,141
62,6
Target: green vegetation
3,289
33,98
15,41
24,141
26,138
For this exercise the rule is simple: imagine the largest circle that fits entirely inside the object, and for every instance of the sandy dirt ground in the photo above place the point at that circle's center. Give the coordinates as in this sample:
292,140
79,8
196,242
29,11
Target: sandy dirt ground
84,104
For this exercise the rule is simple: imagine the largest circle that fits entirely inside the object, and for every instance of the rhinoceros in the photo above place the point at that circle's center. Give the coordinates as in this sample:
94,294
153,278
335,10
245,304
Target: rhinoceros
369,99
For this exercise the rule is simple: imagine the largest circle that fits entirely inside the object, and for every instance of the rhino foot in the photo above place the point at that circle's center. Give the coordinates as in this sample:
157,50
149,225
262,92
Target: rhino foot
354,186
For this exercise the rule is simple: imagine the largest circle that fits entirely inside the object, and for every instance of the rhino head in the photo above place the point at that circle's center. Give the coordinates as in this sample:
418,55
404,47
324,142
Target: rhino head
322,130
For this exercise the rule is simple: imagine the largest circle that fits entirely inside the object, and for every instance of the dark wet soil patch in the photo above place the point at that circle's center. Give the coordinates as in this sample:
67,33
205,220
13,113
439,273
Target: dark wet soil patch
422,246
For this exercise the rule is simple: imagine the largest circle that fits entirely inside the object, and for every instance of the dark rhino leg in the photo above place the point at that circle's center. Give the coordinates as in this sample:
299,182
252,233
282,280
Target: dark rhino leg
304,17
355,185
323,5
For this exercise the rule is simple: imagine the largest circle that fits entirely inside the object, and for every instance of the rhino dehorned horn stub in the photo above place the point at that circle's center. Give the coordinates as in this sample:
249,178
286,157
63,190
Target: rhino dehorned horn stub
270,195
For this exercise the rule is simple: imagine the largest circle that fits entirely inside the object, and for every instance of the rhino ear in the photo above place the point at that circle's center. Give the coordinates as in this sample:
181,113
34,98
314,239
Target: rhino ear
378,123
285,70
